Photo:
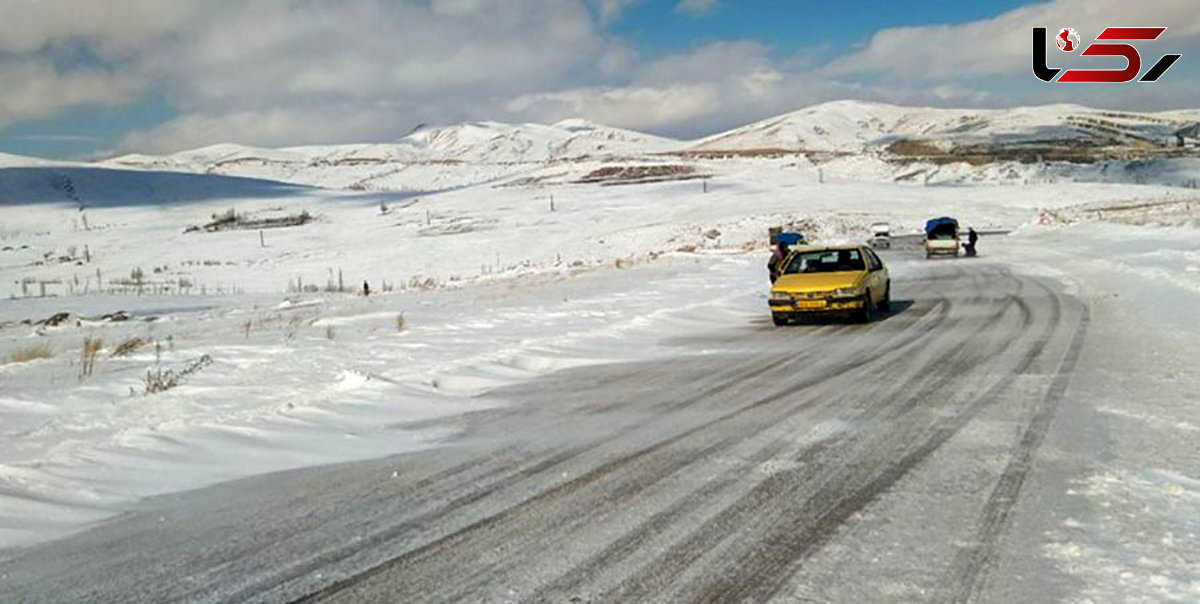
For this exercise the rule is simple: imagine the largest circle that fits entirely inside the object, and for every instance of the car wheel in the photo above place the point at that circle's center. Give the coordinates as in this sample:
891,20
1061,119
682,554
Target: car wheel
868,310
886,304
778,319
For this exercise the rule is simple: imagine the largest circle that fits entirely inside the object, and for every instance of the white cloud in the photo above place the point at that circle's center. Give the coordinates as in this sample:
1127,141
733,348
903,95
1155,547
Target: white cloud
114,28
270,127
35,89
315,69
697,7
283,73
611,9
57,138
712,87
1002,44
636,107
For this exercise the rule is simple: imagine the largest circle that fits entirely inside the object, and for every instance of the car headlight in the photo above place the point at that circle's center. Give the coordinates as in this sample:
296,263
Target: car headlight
781,296
848,292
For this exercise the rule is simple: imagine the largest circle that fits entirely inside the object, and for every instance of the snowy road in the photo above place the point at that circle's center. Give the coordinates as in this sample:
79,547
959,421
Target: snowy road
898,460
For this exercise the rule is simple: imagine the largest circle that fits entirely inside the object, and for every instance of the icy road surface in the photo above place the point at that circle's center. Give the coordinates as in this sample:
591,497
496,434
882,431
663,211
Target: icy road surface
999,436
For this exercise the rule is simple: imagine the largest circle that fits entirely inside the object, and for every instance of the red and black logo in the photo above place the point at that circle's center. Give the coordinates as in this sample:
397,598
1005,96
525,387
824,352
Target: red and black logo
1067,40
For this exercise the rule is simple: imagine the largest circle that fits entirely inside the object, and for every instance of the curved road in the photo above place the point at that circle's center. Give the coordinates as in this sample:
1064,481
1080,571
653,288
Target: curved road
821,461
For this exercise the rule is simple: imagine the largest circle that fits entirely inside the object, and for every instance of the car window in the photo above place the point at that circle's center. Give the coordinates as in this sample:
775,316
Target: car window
825,261
943,231
873,261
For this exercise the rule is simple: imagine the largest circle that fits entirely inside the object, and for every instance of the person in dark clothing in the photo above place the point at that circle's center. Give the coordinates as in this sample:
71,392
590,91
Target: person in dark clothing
366,289
775,263
972,238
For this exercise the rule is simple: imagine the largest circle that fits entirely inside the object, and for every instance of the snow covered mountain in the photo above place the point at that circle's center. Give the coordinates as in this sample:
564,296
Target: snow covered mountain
854,140
423,159
857,126
8,160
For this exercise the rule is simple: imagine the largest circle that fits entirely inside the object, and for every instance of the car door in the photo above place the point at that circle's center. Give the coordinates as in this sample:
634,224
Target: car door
877,278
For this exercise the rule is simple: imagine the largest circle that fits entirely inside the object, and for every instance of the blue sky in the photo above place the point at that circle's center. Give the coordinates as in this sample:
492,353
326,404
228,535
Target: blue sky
790,26
97,79
81,130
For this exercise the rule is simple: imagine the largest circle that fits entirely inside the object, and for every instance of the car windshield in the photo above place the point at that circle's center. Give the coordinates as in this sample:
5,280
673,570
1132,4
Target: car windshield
943,231
825,261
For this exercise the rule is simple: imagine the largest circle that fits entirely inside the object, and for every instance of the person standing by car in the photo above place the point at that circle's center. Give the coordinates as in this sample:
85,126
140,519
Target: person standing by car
972,238
774,264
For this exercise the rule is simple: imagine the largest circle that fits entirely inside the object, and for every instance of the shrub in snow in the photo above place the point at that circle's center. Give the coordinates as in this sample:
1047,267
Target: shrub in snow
128,346
29,353
161,380
91,346
422,283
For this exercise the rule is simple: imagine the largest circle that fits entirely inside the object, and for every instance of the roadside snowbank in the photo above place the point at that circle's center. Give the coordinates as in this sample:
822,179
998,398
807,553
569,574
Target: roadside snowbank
311,384
1132,532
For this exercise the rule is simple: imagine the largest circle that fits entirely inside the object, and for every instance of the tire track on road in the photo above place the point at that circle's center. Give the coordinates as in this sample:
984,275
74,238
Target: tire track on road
647,530
764,561
544,498
969,570
491,483
824,526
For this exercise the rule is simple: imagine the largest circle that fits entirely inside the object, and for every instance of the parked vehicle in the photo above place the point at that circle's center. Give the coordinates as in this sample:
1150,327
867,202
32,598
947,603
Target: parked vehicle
941,237
881,235
847,279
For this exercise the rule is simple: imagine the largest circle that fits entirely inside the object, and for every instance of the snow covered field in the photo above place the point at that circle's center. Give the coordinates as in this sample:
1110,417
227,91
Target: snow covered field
478,286
1128,530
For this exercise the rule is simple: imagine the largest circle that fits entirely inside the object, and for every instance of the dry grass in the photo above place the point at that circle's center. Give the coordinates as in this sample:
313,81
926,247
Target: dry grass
91,346
29,353
128,346
632,174
161,380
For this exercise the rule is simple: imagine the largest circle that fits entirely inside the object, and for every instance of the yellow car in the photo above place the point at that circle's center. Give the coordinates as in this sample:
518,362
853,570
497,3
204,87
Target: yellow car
831,279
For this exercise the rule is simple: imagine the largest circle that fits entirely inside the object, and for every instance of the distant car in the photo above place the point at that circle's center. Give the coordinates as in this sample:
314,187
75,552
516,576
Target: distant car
881,236
847,279
941,237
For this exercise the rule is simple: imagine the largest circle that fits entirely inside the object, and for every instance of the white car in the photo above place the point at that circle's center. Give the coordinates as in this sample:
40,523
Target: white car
881,235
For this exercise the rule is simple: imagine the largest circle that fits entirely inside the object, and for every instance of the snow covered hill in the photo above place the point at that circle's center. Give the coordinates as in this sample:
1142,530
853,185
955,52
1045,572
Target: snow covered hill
857,126
849,140
427,159
8,160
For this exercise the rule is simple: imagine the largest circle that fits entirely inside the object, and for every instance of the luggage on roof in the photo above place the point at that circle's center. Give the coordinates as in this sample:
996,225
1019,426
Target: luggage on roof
943,224
789,238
